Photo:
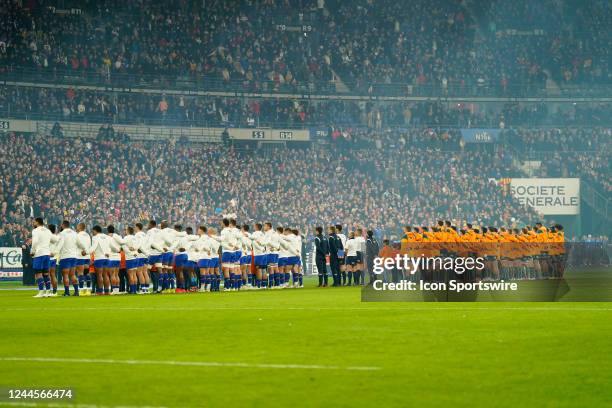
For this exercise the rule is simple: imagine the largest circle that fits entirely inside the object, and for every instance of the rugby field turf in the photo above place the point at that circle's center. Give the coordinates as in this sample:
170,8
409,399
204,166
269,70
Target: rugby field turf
305,347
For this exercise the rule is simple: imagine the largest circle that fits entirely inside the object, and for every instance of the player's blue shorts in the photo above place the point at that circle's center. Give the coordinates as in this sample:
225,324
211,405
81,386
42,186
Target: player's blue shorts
181,259
52,263
131,263
351,260
41,263
142,261
82,261
204,263
272,259
237,256
245,260
359,257
100,263
293,260
191,264
166,258
282,261
113,263
67,263
154,259
213,263
260,260
227,257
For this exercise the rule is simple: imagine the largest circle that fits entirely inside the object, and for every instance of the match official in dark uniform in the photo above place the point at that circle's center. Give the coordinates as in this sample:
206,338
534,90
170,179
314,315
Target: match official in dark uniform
321,252
335,249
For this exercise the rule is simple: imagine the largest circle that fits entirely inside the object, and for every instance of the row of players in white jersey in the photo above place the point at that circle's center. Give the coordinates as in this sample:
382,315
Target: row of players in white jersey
168,259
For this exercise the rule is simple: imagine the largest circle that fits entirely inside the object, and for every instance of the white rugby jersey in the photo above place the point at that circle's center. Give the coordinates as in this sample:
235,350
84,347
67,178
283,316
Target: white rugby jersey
192,253
154,242
141,244
168,239
259,243
115,243
229,243
67,244
130,247
351,247
343,239
214,246
202,247
41,241
272,242
285,246
83,244
360,243
297,245
99,246
247,244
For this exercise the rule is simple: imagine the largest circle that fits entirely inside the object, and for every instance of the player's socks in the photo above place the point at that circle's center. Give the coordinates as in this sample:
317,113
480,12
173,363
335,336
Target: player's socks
217,283
106,290
75,286
227,283
287,277
88,281
276,279
343,274
325,279
47,280
172,279
250,278
66,290
41,283
81,281
301,279
320,279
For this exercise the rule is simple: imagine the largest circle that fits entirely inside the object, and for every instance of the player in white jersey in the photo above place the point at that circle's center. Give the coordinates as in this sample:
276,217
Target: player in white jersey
358,270
192,259
285,252
40,251
83,258
351,257
155,248
115,241
167,237
272,248
213,266
101,252
67,251
342,259
296,261
180,246
53,260
229,247
203,249
259,253
236,281
142,258
246,258
130,251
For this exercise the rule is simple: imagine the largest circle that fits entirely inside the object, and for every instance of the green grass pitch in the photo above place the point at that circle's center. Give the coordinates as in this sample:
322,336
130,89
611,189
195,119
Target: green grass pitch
306,347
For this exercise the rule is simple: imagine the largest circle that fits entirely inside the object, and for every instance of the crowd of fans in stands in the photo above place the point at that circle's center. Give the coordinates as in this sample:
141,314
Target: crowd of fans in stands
569,152
77,104
383,188
274,45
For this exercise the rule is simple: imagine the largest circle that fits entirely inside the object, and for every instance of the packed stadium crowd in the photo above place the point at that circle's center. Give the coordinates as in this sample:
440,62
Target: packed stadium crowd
83,105
113,181
302,44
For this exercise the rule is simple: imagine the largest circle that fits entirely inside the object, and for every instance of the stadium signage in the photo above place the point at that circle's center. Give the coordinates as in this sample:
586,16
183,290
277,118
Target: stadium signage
300,135
10,263
480,135
548,196
5,124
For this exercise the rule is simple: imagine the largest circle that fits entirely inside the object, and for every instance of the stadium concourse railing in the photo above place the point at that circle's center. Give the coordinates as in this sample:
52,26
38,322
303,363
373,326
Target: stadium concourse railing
197,84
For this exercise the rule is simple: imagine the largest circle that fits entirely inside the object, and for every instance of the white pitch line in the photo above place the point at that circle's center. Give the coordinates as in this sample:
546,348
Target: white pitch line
189,363
66,405
315,309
